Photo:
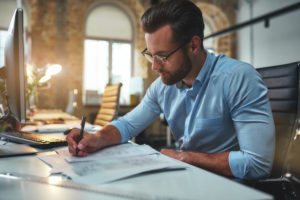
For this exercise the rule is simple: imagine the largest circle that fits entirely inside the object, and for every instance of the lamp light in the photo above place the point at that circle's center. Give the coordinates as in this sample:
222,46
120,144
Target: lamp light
53,69
45,78
50,71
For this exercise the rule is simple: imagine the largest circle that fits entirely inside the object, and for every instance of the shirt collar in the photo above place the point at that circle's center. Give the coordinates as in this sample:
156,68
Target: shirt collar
202,74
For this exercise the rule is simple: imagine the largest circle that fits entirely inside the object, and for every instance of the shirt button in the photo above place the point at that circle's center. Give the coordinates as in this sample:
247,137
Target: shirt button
190,93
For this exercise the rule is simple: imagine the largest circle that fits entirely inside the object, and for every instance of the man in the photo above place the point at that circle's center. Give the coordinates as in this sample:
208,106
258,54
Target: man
217,107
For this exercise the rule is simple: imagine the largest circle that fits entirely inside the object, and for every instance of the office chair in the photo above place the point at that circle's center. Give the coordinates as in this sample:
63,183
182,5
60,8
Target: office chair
110,105
283,91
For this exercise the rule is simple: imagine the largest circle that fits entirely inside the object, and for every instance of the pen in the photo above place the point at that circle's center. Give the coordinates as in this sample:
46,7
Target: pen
81,132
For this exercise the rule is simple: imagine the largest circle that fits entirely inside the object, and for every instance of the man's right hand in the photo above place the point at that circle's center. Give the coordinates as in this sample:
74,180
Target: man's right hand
90,143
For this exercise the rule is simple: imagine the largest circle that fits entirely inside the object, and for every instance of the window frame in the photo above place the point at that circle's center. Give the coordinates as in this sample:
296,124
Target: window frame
6,30
110,59
128,12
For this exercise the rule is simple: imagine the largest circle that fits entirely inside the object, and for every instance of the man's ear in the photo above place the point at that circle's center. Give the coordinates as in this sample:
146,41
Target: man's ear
195,44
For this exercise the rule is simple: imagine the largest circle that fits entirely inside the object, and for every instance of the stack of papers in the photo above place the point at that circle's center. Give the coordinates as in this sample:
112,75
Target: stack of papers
59,128
51,114
110,164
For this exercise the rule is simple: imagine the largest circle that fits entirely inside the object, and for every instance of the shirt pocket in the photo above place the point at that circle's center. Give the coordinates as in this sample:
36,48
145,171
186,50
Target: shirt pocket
207,135
209,123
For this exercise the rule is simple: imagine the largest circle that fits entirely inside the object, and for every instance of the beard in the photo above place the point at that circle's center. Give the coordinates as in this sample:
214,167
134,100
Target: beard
170,78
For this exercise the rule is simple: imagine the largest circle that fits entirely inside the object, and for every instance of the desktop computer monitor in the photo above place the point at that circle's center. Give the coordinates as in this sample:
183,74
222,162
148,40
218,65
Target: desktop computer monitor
15,70
15,87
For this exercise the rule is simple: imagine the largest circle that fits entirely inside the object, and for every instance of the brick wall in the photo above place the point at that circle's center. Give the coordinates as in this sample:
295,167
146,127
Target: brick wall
58,32
57,35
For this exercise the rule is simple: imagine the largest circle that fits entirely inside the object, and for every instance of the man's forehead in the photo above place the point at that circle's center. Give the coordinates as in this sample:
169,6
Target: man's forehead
161,38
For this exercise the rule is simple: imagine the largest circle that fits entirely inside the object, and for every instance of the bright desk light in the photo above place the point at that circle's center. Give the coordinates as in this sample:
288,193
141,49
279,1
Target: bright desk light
44,79
51,70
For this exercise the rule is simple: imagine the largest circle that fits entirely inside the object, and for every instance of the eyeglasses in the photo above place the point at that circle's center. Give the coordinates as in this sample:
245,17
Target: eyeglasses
159,58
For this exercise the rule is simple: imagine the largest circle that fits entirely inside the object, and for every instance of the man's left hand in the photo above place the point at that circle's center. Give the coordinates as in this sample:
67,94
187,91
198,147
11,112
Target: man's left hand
182,156
217,163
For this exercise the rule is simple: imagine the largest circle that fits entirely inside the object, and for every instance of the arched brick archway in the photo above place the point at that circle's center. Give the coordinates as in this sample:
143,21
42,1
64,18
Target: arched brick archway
217,20
58,32
135,11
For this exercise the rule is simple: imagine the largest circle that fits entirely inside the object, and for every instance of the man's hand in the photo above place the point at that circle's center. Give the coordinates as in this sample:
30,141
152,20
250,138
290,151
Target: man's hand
217,163
89,143
175,154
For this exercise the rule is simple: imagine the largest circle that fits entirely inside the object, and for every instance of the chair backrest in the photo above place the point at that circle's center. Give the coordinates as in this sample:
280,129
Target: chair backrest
283,91
110,105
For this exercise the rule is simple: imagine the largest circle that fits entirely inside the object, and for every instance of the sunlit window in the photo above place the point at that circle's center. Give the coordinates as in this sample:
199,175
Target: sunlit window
108,52
96,64
121,64
2,45
7,8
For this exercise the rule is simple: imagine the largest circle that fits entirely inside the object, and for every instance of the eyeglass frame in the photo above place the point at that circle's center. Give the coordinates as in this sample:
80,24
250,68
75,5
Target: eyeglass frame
162,59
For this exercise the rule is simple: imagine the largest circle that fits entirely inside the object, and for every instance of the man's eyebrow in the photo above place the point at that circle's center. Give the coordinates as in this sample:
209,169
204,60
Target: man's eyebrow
161,52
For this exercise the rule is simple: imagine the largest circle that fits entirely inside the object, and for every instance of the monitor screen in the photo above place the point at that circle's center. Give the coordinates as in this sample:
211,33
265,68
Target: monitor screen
15,70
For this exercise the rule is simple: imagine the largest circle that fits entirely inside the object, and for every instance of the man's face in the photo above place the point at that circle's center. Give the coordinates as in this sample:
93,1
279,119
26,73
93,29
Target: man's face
177,66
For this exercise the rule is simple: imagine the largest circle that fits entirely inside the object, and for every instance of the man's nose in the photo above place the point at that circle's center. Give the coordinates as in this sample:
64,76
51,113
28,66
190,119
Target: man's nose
156,65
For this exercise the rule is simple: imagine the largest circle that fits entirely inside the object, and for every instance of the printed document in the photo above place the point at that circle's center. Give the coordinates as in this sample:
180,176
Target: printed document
109,164
117,151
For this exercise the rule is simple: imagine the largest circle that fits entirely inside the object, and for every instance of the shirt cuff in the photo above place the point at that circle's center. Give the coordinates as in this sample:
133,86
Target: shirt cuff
238,164
121,127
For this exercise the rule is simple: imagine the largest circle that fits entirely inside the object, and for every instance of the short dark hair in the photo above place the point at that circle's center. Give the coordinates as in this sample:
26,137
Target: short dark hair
184,17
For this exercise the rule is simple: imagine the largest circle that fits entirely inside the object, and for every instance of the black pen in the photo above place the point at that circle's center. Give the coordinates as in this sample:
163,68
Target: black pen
81,132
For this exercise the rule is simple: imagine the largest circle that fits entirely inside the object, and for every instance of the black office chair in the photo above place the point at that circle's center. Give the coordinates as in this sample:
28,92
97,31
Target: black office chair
283,91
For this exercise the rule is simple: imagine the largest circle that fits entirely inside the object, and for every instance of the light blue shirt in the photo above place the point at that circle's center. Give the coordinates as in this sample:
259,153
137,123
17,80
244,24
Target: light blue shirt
226,109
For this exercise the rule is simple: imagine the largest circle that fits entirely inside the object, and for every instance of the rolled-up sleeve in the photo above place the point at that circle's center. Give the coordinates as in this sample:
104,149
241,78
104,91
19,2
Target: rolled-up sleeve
252,117
140,117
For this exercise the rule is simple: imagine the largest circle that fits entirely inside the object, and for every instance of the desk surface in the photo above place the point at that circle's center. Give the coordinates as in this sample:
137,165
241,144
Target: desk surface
192,183
49,116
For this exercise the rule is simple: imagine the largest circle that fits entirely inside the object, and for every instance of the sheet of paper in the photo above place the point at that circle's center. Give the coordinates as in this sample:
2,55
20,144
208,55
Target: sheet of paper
55,128
117,151
112,164
58,164
104,171
99,172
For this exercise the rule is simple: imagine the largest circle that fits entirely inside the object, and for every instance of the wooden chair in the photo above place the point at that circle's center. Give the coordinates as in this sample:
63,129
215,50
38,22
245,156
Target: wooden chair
110,105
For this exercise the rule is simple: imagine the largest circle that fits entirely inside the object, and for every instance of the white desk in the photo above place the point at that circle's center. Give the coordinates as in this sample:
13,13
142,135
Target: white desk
193,183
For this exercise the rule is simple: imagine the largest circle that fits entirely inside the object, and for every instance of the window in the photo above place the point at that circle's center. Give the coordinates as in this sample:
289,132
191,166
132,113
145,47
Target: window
2,45
96,64
7,9
108,53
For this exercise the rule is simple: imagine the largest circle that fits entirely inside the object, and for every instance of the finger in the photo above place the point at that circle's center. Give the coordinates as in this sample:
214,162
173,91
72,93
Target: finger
71,149
72,138
82,154
85,141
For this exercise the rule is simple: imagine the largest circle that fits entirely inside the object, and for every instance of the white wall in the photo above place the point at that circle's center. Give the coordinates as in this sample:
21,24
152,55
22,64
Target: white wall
98,25
278,44
7,8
